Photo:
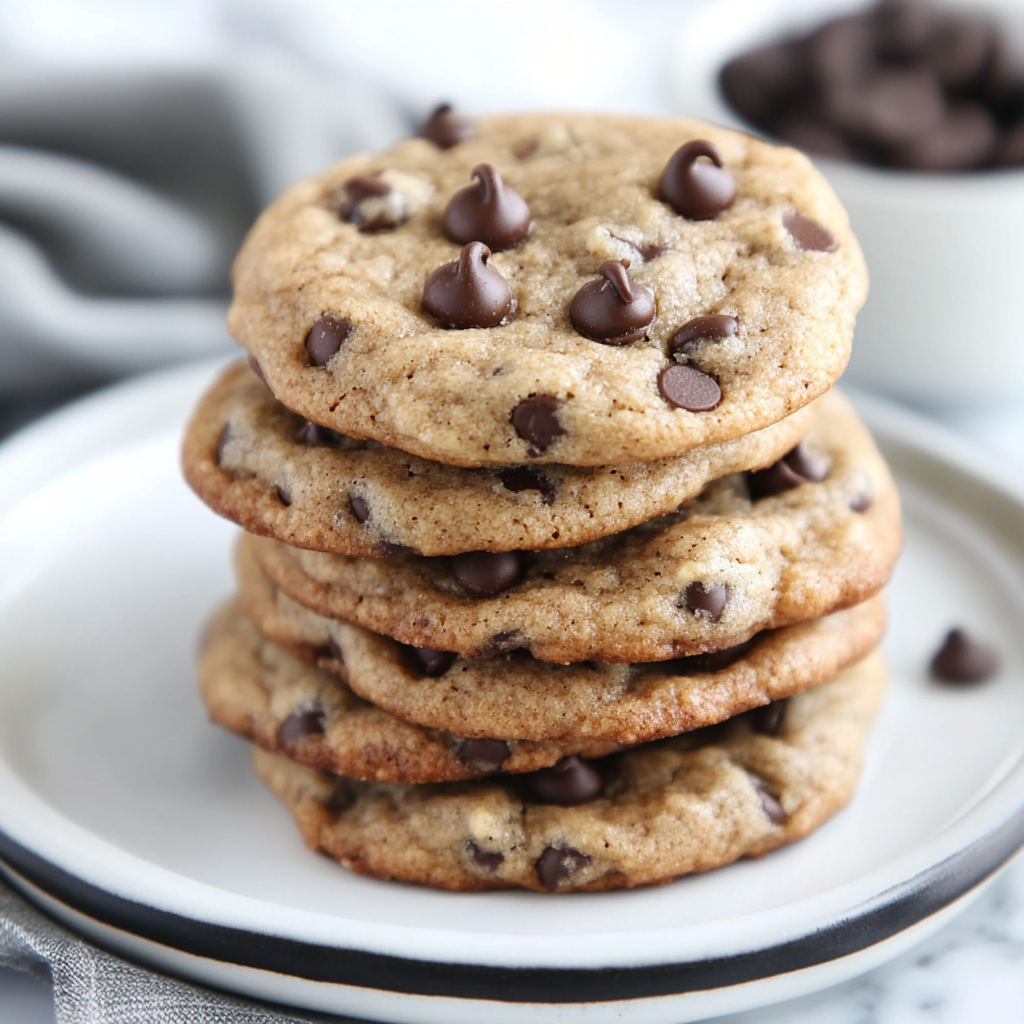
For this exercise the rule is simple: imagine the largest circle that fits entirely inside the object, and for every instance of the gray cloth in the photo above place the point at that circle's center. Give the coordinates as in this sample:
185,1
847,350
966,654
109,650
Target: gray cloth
93,987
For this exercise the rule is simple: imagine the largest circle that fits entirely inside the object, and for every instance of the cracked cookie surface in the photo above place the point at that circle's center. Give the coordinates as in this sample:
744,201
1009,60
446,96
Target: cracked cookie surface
380,366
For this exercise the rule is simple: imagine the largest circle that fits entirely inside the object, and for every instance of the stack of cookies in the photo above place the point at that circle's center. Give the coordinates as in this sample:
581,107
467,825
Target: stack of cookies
562,564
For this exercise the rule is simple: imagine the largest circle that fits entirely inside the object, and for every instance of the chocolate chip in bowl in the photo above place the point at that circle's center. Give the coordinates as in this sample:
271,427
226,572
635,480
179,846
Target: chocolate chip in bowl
915,114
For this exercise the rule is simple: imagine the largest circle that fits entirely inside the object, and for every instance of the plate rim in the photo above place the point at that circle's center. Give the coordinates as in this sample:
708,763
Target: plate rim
888,911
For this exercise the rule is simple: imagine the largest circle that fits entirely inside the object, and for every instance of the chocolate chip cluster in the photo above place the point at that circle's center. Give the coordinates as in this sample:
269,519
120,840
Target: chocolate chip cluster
904,85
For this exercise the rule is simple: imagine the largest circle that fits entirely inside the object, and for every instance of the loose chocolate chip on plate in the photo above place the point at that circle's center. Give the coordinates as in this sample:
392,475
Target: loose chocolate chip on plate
769,718
299,725
523,478
483,755
467,292
796,467
557,864
709,601
488,212
535,422
326,337
712,327
686,387
807,233
445,129
570,782
769,802
487,859
963,658
359,507
613,309
695,189
486,573
429,662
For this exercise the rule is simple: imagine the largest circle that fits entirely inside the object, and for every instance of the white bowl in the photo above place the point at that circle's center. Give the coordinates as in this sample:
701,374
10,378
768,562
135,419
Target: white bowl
944,320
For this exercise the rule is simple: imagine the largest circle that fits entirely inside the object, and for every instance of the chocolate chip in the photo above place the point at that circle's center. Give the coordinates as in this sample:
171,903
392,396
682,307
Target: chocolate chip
534,421
283,496
483,755
613,309
359,507
386,549
903,28
709,602
769,802
501,643
428,662
446,129
712,327
371,205
769,718
807,133
686,387
485,858
796,467
965,139
557,864
860,503
486,573
960,49
807,233
223,441
468,293
255,367
643,250
709,661
336,650
890,107
488,212
299,725
695,189
763,81
314,436
964,659
325,338
523,478
570,782
840,51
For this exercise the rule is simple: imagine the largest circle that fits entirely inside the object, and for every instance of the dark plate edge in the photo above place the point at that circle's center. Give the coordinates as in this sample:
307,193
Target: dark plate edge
888,914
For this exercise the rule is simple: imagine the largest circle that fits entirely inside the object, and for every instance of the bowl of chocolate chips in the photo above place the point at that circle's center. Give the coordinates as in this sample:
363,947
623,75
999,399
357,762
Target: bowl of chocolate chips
915,113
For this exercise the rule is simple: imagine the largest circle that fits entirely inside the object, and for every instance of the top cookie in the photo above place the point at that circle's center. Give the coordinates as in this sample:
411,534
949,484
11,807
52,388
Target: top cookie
339,296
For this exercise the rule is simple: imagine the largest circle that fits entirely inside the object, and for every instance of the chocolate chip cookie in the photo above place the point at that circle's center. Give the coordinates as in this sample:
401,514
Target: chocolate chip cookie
574,289
516,696
278,475
257,689
817,532
698,801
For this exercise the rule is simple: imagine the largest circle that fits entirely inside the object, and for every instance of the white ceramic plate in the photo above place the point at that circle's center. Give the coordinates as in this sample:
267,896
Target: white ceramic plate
129,817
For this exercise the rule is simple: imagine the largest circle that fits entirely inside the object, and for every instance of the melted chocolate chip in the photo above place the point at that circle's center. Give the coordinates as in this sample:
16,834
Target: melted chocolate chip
501,643
445,129
534,421
255,367
325,338
964,659
483,755
486,573
523,478
709,661
299,725
468,293
613,309
428,662
488,212
366,206
359,507
283,496
223,441
570,782
769,718
686,387
336,650
314,436
557,864
807,233
386,549
695,189
796,467
643,250
712,327
485,858
710,602
769,802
